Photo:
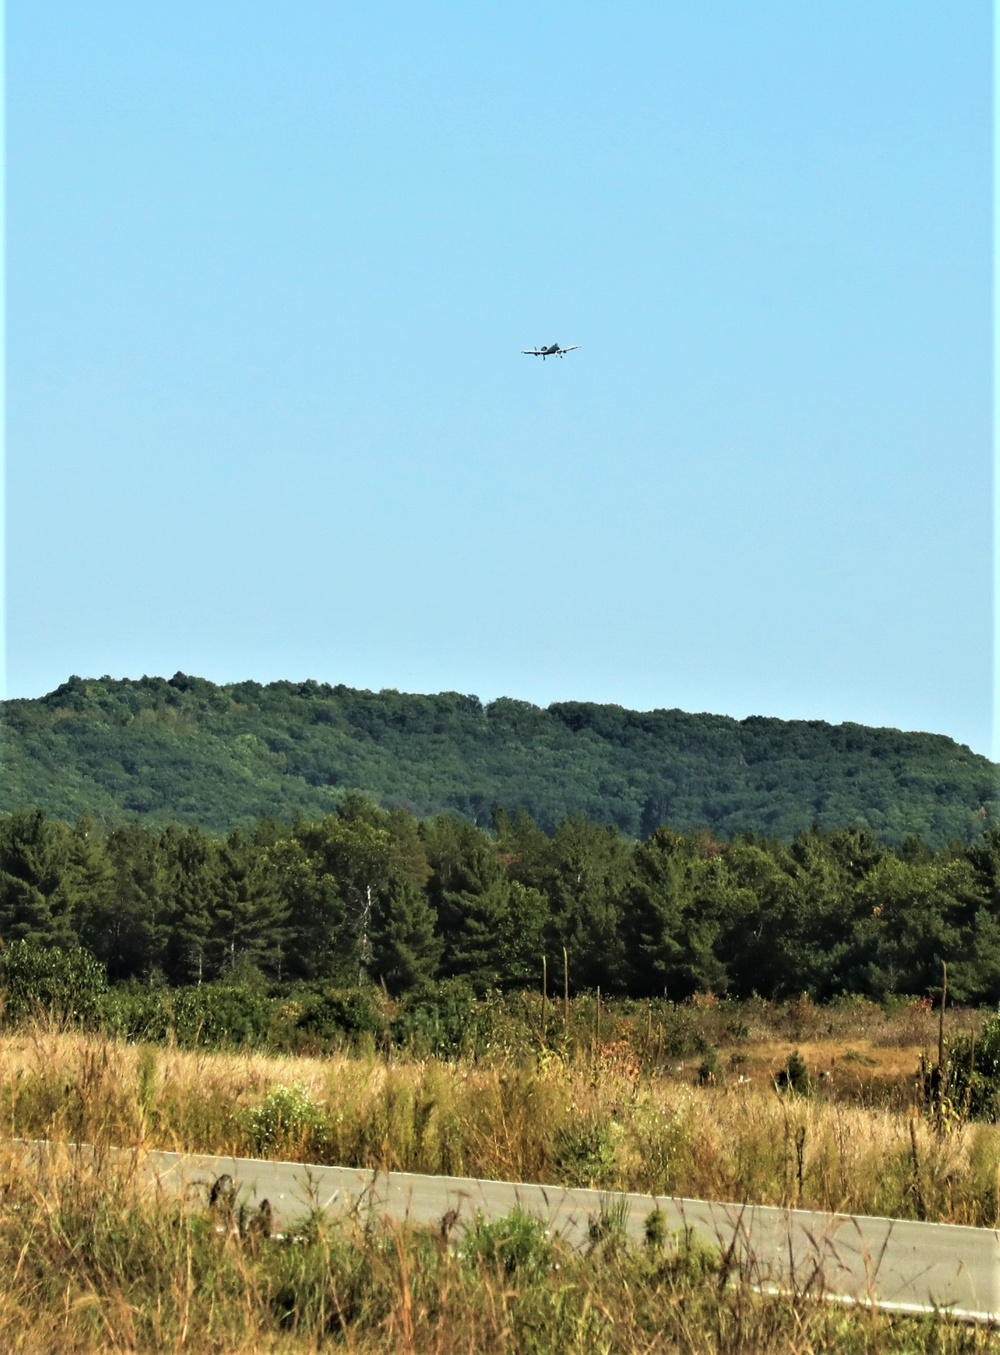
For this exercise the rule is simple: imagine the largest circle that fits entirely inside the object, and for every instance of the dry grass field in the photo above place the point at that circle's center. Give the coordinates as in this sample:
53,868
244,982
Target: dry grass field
92,1259
860,1143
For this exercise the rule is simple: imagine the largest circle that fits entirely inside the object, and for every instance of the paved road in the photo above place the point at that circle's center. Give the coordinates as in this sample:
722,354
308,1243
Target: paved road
897,1263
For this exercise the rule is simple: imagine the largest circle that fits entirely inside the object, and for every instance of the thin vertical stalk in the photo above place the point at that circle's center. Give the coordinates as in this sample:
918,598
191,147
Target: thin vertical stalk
545,990
565,997
941,1070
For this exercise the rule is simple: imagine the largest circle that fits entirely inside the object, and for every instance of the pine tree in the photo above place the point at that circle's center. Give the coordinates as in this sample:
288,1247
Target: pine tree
588,878
248,923
405,948
317,946
191,891
128,932
35,890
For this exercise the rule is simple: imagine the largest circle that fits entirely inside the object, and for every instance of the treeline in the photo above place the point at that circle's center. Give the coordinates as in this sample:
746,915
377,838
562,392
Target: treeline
185,750
367,895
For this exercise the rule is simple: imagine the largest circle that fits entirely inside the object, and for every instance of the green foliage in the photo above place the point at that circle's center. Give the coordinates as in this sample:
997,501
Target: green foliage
67,984
973,1082
692,1259
585,1151
370,899
36,879
286,1116
655,1229
794,1077
438,1019
187,751
516,1244
329,1013
405,949
210,1015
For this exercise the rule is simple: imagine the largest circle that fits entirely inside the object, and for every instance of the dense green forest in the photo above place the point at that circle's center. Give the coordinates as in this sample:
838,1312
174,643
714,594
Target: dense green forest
189,752
373,896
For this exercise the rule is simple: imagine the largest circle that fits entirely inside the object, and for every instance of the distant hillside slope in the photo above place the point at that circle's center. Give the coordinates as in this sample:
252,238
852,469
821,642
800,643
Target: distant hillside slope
187,750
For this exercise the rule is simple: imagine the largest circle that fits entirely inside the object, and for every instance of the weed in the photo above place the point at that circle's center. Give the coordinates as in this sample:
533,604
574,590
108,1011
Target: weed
607,1227
516,1243
794,1077
655,1229
286,1117
854,1056
586,1151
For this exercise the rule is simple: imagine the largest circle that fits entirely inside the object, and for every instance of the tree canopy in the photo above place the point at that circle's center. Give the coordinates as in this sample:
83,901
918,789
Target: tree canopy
187,752
373,896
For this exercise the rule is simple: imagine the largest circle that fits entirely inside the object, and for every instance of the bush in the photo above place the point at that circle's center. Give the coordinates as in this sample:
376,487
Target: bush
692,1259
212,1015
794,1077
287,1117
974,1073
137,1012
518,1242
585,1152
217,1015
331,1013
439,1019
67,984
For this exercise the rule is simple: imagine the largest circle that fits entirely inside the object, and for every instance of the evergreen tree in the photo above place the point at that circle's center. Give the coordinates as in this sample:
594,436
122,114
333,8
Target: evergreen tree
35,902
317,946
913,917
249,916
405,947
192,888
670,923
374,857
525,852
121,917
589,873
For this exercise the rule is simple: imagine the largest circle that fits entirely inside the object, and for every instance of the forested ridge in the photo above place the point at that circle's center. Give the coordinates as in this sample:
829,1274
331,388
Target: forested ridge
186,751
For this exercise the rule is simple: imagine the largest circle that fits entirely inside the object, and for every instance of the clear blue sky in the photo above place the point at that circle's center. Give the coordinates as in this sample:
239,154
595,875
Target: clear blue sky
270,269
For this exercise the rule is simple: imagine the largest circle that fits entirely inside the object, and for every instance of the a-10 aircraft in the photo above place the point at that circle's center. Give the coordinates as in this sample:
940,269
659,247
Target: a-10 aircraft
553,351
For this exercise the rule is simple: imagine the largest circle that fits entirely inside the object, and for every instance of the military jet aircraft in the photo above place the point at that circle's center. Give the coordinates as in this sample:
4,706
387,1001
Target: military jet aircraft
553,351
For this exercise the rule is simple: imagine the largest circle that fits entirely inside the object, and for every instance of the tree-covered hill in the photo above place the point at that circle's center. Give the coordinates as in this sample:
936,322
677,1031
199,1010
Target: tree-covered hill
186,750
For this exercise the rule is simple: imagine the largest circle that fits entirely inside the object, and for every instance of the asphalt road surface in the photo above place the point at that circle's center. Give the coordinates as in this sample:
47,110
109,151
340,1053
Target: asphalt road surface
894,1262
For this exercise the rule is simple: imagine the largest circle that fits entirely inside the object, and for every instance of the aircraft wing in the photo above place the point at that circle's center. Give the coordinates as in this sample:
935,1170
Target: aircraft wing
570,348
532,352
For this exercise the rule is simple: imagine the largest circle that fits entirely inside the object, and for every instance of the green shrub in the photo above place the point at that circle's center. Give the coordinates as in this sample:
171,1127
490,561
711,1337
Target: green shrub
210,1016
137,1012
794,1077
516,1243
218,1015
585,1153
974,1072
692,1258
439,1019
329,1014
655,1229
67,984
287,1116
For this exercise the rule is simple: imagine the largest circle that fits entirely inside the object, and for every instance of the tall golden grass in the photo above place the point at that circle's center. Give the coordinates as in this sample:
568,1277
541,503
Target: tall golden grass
549,1120
94,1259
